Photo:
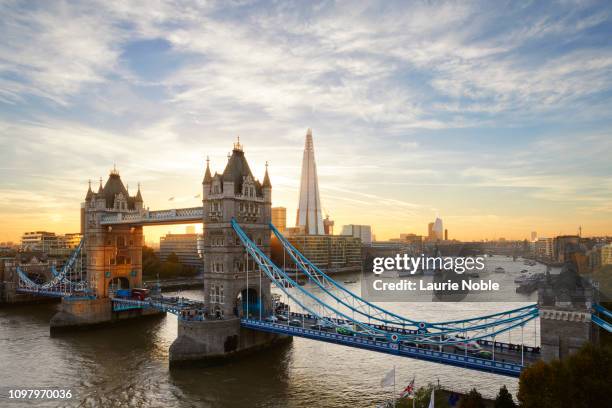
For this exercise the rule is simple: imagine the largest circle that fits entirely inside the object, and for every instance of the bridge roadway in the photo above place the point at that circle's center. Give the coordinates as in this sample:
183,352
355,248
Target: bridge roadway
506,361
503,367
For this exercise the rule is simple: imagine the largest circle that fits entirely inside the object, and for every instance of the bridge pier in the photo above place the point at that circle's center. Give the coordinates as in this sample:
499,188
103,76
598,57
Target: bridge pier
78,313
565,314
217,341
564,332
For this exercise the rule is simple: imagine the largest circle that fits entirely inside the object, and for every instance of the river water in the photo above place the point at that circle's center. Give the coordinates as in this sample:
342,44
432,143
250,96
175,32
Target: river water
127,364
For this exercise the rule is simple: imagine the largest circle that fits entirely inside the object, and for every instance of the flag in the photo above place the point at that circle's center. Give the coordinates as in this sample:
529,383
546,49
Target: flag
408,390
431,399
388,379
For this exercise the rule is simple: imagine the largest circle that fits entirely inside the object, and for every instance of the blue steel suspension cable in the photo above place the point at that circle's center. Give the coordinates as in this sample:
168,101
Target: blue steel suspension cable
294,253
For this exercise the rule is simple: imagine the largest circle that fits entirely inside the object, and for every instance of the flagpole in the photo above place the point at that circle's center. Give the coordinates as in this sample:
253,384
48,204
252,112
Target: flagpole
393,386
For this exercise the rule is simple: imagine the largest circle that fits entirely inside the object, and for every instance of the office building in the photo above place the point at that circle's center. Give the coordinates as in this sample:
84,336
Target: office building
606,255
279,218
38,241
438,229
544,248
309,213
564,245
331,253
363,232
184,246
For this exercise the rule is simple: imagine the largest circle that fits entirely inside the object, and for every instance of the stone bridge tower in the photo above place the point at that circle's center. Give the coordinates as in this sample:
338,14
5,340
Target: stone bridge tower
565,313
113,253
235,194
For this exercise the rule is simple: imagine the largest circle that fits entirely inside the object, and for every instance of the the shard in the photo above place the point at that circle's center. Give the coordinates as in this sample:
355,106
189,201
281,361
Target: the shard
310,214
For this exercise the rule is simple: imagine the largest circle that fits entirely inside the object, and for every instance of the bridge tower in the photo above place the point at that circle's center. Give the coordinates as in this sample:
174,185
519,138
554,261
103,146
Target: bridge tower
235,193
565,313
114,253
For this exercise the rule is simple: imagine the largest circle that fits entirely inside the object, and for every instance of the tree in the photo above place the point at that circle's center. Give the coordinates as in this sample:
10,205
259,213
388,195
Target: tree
581,380
150,263
504,399
172,258
472,400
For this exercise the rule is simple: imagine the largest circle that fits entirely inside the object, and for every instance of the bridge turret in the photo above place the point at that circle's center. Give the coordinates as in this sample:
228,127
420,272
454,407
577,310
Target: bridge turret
267,187
89,194
138,202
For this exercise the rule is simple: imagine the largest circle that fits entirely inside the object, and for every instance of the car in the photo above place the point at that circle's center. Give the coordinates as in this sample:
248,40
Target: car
295,323
345,329
378,338
486,354
325,323
271,319
318,327
282,318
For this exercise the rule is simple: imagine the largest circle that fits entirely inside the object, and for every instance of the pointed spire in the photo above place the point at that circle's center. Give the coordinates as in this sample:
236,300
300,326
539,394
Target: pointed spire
100,189
237,145
266,180
207,176
89,194
138,197
114,171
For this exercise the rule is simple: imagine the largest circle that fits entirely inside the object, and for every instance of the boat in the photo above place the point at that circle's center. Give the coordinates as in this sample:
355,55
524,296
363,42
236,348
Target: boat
530,285
499,269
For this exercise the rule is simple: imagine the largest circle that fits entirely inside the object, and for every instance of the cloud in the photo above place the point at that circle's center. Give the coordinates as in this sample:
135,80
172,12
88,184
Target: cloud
408,101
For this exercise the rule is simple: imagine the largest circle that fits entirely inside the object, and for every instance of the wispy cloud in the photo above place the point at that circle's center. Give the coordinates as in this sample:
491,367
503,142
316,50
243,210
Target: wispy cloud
415,106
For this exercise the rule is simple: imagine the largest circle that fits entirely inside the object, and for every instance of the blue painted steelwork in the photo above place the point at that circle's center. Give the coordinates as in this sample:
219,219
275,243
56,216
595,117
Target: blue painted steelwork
59,285
357,304
282,280
459,360
42,292
601,323
600,309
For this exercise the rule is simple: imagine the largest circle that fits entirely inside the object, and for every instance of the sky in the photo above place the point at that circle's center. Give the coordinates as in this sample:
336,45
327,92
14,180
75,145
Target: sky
494,116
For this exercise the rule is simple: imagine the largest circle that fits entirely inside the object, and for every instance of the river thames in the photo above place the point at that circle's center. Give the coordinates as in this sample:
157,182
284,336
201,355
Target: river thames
127,364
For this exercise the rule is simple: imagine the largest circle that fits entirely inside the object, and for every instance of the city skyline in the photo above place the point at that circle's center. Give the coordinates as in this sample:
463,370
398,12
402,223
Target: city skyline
496,120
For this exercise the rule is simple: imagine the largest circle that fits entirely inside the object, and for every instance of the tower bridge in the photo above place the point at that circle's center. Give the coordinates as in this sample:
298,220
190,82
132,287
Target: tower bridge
238,313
